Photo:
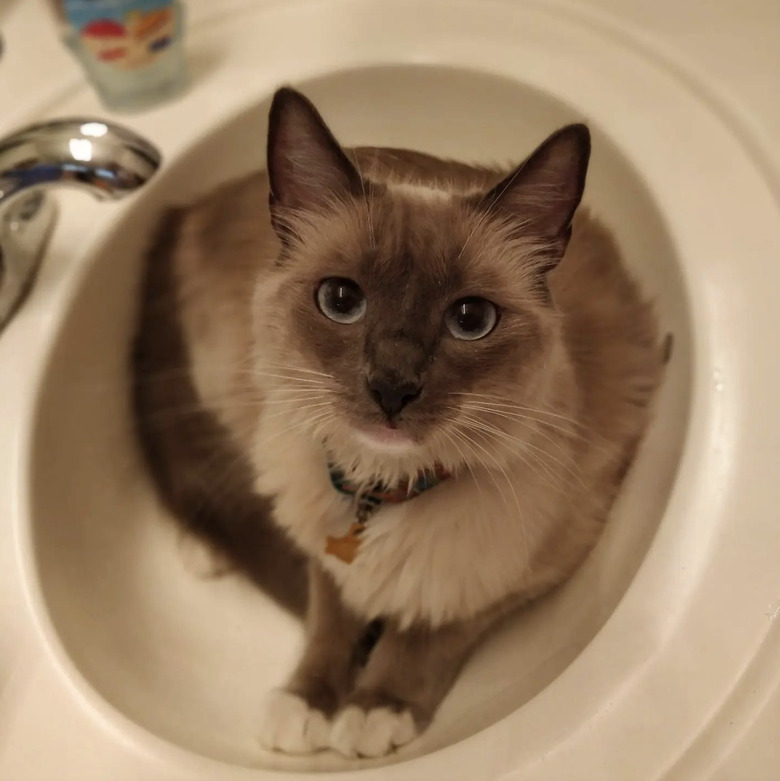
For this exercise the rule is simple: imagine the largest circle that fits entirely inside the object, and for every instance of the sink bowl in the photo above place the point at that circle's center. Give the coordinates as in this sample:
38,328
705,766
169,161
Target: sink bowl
659,658
188,661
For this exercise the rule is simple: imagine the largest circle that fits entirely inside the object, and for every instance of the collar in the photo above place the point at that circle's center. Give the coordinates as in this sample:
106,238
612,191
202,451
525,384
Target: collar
380,493
369,500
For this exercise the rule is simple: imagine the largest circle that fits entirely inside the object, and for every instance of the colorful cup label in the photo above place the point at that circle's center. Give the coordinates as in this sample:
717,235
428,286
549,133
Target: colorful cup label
125,34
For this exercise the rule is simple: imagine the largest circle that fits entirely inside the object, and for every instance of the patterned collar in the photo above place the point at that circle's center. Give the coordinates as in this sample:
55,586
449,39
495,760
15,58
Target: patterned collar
369,500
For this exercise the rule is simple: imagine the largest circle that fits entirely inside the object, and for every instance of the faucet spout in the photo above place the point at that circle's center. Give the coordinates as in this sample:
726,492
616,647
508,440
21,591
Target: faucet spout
101,158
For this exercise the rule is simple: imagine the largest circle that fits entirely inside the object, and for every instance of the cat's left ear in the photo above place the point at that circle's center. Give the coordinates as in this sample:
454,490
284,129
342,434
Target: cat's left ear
307,168
543,193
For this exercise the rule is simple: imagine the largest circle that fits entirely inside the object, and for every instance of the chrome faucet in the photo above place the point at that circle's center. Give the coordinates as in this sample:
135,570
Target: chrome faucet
101,158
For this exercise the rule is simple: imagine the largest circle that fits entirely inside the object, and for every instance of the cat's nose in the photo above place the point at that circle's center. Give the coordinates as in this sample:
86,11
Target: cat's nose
393,395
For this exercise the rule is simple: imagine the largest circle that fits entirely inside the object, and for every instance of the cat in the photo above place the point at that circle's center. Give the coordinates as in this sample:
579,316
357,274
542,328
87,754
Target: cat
401,393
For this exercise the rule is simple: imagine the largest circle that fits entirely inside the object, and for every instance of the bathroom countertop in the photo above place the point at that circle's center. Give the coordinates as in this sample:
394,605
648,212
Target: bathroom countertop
730,48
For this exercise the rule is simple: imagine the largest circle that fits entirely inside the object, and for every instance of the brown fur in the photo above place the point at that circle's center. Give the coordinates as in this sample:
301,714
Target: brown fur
232,350
203,476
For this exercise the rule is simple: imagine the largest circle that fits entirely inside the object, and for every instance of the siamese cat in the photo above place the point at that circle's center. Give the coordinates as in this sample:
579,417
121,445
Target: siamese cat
401,393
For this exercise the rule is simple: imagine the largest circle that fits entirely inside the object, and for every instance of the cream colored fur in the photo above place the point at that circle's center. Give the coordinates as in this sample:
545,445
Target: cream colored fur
536,424
513,521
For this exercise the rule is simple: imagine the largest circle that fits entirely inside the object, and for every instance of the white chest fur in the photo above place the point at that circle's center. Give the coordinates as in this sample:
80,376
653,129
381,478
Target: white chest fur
442,556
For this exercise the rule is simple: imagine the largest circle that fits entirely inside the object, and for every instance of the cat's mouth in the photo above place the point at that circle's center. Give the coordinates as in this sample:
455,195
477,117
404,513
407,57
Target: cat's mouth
385,438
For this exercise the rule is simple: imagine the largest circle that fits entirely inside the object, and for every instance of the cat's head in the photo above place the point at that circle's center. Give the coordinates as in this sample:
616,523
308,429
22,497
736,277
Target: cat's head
409,321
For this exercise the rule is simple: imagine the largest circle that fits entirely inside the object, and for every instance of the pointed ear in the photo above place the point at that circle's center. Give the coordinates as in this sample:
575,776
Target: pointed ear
543,193
307,168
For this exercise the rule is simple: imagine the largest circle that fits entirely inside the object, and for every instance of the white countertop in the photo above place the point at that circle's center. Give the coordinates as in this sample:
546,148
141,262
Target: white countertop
731,46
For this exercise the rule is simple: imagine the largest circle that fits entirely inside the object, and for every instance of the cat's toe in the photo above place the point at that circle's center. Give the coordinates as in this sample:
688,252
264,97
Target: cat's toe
347,727
288,724
372,733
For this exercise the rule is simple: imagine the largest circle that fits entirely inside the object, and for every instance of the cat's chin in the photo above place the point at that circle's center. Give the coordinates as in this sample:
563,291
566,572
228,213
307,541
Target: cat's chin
384,439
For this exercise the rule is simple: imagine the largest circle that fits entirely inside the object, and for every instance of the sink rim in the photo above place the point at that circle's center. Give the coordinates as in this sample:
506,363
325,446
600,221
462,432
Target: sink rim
703,395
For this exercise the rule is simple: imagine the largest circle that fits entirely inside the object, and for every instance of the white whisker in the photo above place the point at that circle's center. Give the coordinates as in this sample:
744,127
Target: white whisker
569,465
505,402
501,493
365,200
297,410
517,417
289,378
521,452
294,399
450,437
287,367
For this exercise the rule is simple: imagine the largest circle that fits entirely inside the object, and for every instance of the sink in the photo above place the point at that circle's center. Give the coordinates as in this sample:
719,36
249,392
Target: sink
189,660
657,658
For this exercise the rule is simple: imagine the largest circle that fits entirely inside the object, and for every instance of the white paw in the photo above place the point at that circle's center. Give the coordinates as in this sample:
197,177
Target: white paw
200,558
374,733
288,724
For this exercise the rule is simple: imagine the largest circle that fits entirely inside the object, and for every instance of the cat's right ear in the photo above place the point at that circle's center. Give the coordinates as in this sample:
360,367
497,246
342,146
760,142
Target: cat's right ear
307,169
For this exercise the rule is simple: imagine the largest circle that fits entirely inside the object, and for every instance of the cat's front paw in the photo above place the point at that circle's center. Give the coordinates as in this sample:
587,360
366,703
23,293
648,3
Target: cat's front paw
288,724
371,733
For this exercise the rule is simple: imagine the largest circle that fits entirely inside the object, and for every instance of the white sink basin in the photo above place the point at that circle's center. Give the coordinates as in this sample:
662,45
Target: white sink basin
627,667
190,660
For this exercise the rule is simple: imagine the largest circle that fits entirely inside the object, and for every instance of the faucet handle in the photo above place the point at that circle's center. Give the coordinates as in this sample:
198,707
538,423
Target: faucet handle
104,159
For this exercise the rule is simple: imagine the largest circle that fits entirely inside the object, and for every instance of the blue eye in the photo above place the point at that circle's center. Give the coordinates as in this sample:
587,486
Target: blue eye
341,300
471,318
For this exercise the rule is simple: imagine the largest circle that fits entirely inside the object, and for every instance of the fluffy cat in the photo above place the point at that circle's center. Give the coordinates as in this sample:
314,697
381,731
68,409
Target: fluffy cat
374,318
